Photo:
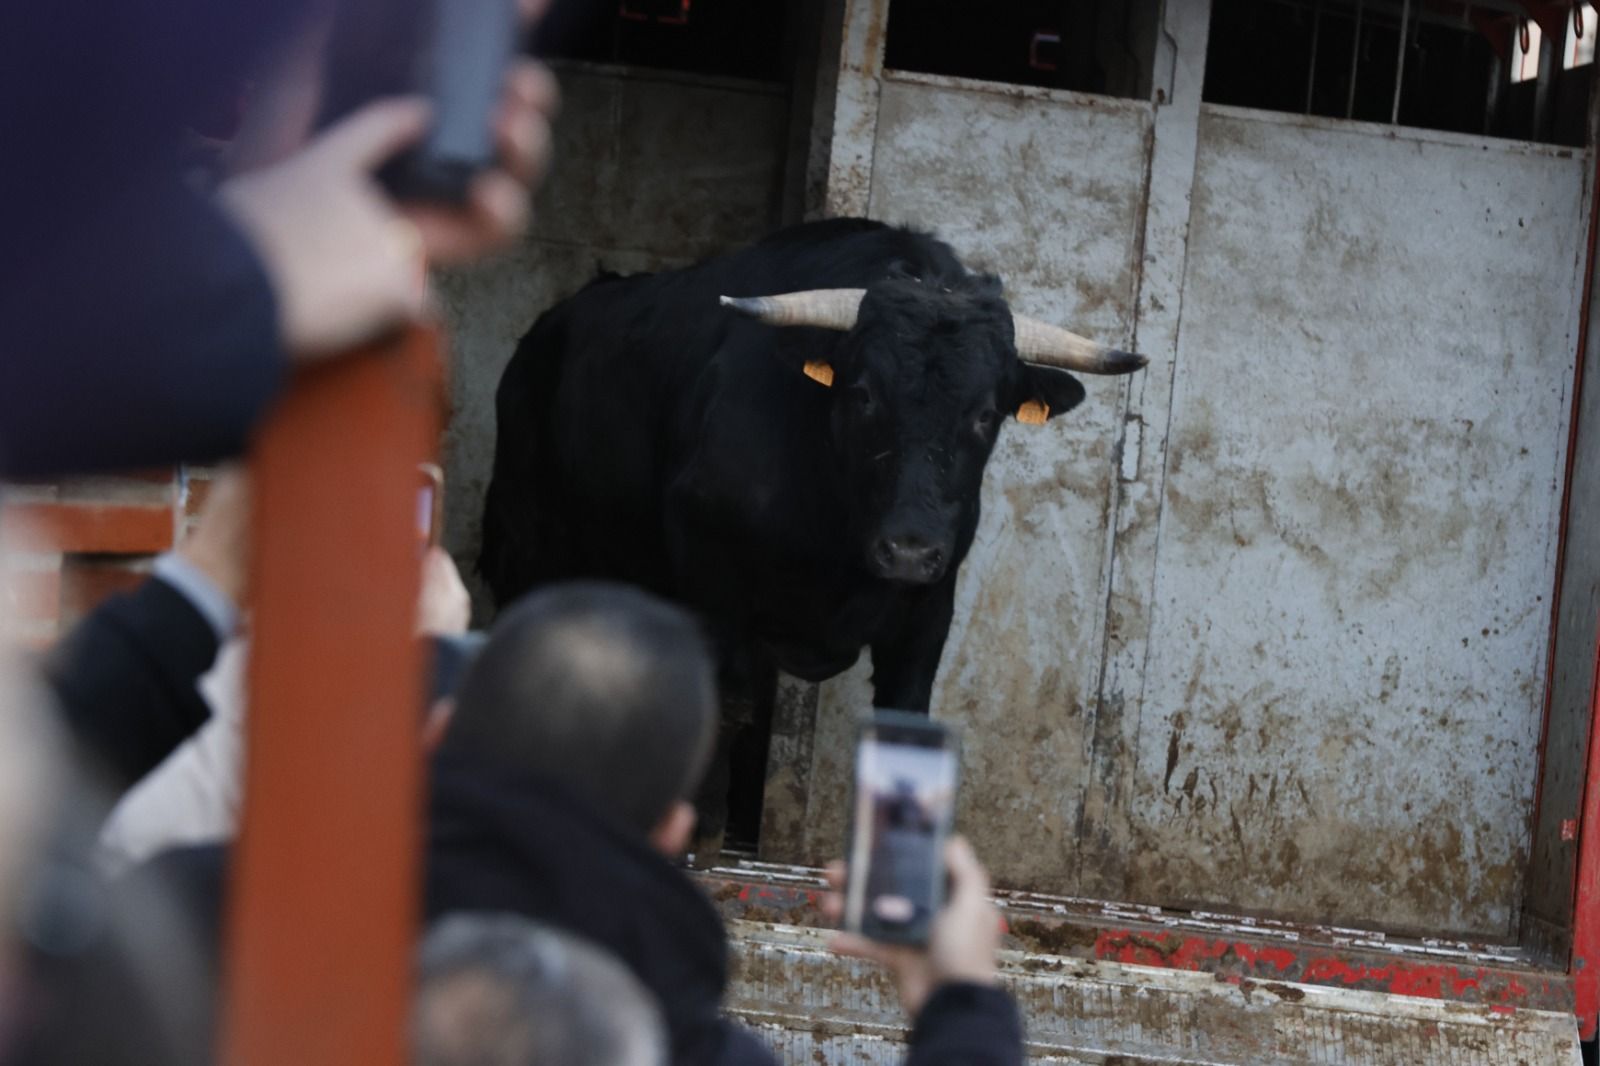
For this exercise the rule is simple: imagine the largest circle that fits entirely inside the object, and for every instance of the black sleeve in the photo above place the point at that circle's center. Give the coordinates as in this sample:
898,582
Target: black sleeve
137,327
125,678
145,336
975,1025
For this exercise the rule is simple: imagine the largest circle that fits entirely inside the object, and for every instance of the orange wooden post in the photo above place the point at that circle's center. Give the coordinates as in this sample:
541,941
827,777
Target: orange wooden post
324,895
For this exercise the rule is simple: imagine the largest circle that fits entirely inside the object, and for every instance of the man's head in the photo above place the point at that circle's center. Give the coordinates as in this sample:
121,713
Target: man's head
603,689
499,990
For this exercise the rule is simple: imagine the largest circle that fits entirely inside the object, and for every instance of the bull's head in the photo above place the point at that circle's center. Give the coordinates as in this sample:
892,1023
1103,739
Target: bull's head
924,376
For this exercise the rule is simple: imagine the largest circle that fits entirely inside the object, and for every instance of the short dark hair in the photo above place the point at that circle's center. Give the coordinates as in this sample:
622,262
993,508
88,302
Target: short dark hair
500,990
600,687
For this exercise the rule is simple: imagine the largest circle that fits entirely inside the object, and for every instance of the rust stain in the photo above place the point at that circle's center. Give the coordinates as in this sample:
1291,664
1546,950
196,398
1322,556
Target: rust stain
1057,938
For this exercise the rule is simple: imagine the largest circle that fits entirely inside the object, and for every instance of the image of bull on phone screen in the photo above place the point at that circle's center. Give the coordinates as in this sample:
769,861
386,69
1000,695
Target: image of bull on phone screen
906,771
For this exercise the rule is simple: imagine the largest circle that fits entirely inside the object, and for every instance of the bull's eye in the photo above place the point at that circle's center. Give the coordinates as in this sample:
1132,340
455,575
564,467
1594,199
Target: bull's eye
861,396
986,420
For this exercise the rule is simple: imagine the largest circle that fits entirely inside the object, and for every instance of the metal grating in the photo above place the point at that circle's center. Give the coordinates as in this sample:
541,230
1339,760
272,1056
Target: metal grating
814,1008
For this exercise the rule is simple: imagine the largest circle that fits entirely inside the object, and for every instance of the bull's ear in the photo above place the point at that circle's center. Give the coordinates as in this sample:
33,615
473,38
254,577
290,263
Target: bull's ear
1044,392
818,371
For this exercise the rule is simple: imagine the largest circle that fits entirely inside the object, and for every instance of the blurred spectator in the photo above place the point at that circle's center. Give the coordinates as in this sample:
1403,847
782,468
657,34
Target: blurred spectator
87,975
499,990
145,322
157,676
562,792
125,677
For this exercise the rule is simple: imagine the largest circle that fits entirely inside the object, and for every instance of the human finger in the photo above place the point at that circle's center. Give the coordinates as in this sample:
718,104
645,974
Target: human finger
522,143
531,84
969,880
373,134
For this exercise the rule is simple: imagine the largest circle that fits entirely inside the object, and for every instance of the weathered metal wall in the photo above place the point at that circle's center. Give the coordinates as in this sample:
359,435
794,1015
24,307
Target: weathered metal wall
1342,705
1267,631
1047,189
652,170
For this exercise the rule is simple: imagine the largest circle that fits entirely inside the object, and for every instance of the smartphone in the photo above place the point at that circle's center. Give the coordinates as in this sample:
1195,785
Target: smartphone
454,52
907,766
430,506
469,45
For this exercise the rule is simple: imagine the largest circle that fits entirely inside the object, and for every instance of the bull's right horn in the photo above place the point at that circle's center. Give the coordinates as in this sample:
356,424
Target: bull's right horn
823,308
1050,345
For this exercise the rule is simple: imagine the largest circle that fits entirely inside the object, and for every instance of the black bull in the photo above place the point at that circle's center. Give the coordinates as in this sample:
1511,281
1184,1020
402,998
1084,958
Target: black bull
648,434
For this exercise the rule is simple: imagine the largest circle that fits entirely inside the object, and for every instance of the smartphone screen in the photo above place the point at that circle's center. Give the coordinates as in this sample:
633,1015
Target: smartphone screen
906,772
430,502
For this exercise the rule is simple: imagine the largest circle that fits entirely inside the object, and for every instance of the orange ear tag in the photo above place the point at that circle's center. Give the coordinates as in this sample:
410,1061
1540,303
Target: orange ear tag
1033,413
820,372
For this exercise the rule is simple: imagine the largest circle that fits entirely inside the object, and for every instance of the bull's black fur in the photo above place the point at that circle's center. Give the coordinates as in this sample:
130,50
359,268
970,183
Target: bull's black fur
650,435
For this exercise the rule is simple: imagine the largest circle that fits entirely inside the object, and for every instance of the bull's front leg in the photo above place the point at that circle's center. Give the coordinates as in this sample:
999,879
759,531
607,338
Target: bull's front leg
905,656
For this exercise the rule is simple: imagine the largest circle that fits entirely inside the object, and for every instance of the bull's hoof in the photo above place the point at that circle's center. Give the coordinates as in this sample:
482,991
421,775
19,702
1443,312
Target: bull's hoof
706,851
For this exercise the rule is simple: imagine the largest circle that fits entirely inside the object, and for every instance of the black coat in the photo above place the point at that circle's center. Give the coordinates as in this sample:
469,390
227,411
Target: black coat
501,843
137,326
498,842
125,679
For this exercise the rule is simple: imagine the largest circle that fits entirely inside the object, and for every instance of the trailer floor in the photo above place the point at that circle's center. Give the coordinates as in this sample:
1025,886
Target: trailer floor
815,1008
1118,984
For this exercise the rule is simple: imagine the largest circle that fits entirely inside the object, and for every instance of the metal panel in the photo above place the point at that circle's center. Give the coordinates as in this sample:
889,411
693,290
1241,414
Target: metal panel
1047,189
813,1007
1359,525
651,171
1549,907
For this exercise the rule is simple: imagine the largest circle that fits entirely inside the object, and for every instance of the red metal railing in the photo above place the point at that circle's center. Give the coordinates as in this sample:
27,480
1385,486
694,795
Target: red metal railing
324,893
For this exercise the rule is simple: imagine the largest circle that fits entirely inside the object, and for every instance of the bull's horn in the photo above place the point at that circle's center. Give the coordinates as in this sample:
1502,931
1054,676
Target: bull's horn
1040,342
824,308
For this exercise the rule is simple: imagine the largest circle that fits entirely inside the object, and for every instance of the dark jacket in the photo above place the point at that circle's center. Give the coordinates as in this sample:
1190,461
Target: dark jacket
125,678
498,842
137,326
501,843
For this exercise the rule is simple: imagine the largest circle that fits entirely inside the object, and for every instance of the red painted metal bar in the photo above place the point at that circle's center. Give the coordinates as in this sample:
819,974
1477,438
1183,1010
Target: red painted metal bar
1585,962
1586,908
324,887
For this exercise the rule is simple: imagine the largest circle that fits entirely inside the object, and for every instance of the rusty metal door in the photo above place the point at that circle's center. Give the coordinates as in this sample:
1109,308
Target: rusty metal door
1264,628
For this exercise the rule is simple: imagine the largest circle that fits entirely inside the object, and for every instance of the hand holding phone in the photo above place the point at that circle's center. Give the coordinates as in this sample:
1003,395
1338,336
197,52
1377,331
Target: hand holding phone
964,938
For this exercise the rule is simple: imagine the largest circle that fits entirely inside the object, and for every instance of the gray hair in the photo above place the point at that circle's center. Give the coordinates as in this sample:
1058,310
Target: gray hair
500,990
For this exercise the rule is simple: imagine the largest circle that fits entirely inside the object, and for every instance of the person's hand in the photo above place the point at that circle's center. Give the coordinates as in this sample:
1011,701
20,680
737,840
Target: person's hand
344,265
443,607
963,942
219,545
497,210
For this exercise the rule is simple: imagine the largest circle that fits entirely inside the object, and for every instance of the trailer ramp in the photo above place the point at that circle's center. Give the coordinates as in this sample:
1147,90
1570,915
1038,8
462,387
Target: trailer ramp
815,1009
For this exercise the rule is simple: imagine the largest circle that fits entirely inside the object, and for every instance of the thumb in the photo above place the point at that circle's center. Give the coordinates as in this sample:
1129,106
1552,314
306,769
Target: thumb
967,875
371,135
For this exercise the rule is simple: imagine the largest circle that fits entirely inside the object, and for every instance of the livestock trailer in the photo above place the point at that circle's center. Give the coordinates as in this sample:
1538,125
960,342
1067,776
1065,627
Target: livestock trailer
1274,664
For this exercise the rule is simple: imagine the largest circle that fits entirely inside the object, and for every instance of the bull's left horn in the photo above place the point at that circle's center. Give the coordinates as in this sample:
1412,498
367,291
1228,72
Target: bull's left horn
823,308
1040,342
